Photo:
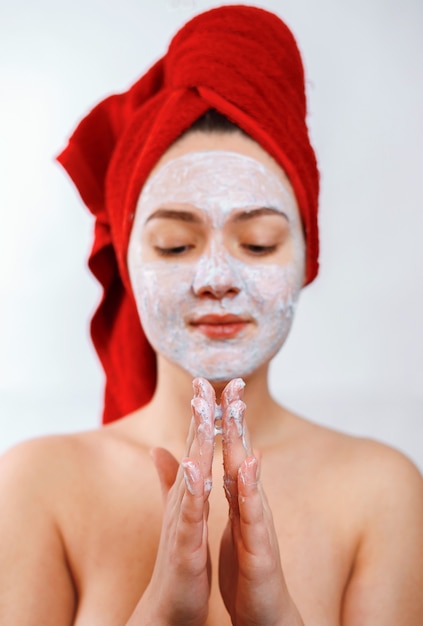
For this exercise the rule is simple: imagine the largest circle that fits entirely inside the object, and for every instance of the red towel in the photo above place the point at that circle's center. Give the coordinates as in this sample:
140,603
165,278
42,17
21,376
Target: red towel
242,61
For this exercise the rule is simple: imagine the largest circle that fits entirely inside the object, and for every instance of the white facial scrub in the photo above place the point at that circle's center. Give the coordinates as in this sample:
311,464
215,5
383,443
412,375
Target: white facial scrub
211,294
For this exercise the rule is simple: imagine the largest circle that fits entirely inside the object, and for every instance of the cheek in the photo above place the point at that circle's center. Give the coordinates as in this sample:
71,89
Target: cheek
159,288
271,288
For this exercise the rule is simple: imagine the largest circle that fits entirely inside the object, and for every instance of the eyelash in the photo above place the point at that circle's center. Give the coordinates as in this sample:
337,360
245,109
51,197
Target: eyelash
174,251
252,249
259,250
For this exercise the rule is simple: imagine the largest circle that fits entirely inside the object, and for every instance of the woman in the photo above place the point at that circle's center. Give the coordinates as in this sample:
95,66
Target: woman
204,187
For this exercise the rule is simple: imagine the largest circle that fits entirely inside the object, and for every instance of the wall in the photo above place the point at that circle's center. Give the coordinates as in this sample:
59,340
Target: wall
355,358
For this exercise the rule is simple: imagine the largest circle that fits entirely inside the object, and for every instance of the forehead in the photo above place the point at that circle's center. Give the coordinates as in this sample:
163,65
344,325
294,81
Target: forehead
216,180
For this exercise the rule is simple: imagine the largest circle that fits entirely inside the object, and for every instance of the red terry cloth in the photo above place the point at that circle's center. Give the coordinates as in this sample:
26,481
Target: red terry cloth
240,60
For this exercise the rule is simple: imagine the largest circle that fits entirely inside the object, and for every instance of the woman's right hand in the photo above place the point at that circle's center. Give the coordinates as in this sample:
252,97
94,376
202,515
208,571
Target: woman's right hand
179,589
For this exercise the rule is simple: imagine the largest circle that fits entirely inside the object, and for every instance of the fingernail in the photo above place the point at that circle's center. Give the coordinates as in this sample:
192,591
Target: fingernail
191,476
234,390
236,412
202,388
200,406
248,471
229,485
197,386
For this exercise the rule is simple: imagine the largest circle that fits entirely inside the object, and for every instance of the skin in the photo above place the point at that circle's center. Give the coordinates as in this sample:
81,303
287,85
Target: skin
222,221
302,525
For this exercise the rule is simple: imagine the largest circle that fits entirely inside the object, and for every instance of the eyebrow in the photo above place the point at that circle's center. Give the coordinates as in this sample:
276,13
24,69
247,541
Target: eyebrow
184,216
252,213
188,216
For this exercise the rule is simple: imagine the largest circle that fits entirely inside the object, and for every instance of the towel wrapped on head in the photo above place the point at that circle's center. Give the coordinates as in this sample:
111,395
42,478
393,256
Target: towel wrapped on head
239,60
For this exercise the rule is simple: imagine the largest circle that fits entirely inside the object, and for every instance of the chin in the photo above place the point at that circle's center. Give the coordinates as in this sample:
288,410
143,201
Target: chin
219,377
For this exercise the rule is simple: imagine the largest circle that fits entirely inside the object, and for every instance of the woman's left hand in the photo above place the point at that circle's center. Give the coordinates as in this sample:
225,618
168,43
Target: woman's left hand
250,572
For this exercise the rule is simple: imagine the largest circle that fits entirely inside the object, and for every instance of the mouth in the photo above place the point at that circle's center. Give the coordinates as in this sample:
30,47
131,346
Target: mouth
220,326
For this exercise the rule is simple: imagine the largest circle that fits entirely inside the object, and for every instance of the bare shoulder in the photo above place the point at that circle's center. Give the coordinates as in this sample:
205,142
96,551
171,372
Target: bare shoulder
30,488
383,467
368,482
386,490
376,493
48,465
30,469
378,470
59,493
389,487
371,464
50,477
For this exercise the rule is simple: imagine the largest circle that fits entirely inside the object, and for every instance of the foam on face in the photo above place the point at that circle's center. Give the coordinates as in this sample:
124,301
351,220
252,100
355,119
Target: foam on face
216,183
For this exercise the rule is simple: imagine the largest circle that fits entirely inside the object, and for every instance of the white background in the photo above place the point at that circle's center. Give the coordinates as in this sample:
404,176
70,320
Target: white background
355,356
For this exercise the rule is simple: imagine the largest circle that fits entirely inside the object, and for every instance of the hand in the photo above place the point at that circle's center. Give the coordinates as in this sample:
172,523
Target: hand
179,588
250,572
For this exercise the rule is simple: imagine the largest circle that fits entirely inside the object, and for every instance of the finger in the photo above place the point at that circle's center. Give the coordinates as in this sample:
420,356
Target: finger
234,390
193,510
256,523
202,388
202,446
192,477
234,452
191,435
167,468
250,502
246,441
232,429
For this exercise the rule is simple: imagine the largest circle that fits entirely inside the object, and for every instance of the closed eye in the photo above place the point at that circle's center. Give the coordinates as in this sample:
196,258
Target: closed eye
173,251
257,250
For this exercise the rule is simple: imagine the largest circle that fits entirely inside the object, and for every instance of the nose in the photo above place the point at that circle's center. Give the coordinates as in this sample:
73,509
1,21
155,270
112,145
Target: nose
216,276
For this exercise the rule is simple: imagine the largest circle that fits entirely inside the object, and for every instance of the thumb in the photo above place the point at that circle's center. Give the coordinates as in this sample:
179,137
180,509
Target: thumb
167,467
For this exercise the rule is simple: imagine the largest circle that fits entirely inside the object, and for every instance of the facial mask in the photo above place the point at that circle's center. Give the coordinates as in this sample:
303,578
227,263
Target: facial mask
173,296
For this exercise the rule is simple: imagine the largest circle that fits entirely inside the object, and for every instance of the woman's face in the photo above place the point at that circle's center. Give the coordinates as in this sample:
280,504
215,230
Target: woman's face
216,256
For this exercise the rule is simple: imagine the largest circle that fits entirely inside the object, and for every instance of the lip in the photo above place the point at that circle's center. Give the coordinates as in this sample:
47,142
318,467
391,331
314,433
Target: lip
220,326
